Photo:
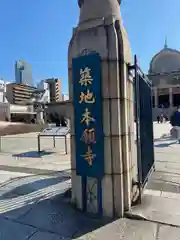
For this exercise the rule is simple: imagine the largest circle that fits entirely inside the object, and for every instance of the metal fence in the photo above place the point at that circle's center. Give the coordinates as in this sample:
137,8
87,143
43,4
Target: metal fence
16,144
144,124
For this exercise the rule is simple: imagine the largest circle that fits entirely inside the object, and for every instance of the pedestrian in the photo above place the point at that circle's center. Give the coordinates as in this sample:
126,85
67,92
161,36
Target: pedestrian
175,122
161,118
33,121
63,122
158,119
58,122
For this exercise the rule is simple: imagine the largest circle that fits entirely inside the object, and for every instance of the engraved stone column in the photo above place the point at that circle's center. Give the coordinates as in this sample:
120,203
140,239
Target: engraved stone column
100,30
170,98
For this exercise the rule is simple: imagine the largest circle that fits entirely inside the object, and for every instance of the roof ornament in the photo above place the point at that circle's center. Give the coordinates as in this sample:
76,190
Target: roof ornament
165,44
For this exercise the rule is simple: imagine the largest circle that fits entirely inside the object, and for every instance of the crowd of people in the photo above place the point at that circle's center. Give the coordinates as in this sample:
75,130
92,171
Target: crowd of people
162,118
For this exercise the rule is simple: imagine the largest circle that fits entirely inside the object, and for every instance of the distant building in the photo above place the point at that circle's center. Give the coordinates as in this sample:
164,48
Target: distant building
55,89
65,97
3,84
23,73
43,85
4,106
164,72
19,93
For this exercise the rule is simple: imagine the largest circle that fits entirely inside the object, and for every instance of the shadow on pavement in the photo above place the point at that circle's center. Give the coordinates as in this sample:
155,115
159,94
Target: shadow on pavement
32,154
34,186
29,170
51,214
163,145
163,139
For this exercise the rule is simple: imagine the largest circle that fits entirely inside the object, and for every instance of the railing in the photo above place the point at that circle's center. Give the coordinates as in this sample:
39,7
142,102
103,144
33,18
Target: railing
27,145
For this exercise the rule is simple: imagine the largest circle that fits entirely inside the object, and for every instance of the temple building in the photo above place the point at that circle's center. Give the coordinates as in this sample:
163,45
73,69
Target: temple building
164,72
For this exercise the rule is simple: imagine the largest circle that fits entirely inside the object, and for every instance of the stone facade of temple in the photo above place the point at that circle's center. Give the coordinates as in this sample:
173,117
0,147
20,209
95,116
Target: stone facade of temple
164,72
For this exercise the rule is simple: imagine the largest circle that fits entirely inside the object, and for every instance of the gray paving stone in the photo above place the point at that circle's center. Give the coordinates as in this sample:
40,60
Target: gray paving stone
15,209
10,230
59,218
29,185
19,143
25,199
17,200
47,236
168,233
169,177
161,209
164,186
124,229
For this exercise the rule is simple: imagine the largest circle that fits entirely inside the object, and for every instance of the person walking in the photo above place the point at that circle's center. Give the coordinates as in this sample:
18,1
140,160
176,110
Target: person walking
158,119
63,122
175,122
161,118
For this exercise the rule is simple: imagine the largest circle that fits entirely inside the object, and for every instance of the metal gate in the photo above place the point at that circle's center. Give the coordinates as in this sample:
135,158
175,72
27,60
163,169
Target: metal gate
144,124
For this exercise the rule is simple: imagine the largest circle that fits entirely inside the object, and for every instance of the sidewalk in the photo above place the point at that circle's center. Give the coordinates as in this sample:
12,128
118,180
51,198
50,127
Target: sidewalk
34,204
162,194
36,208
19,153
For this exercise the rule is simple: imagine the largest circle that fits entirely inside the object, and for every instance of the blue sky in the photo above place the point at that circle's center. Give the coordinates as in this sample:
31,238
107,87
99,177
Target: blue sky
39,32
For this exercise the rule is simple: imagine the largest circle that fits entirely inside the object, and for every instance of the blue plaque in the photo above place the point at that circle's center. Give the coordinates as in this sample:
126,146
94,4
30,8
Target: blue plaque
87,97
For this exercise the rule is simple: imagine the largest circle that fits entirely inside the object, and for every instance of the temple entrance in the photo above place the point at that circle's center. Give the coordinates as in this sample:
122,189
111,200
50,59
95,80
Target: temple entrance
163,101
176,100
144,124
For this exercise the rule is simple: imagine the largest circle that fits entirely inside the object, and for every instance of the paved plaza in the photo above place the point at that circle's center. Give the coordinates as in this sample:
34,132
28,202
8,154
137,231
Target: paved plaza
162,194
35,203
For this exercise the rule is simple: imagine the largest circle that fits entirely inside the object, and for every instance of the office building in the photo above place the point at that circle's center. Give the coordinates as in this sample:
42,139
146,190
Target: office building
4,106
55,89
19,93
3,84
23,73
65,97
43,85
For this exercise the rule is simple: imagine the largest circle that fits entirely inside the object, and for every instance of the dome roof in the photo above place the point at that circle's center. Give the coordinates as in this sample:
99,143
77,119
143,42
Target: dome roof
80,2
167,60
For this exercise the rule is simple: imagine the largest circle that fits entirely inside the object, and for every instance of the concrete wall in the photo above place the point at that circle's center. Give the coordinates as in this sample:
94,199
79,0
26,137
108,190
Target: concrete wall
11,129
21,109
4,111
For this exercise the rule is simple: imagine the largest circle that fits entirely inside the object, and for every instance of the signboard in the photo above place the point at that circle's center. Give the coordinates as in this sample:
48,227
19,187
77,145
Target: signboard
55,131
89,137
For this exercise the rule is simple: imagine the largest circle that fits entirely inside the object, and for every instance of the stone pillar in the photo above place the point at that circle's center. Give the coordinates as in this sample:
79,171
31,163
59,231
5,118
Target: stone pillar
8,113
170,98
156,97
39,117
100,30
